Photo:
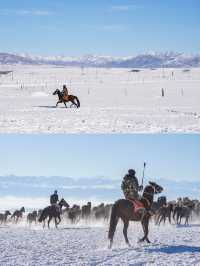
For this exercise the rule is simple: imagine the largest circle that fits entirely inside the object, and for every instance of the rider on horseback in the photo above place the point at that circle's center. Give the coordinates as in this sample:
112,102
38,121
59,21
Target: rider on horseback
54,198
65,92
130,185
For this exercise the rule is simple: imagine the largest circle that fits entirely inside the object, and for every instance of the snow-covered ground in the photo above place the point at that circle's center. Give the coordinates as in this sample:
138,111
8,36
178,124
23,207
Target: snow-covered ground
112,100
88,245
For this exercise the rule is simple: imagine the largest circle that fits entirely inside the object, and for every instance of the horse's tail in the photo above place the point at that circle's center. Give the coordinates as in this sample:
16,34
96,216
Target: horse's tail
113,222
42,216
78,102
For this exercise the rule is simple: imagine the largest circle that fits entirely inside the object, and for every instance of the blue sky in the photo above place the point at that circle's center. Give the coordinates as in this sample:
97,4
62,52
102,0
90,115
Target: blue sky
108,27
168,156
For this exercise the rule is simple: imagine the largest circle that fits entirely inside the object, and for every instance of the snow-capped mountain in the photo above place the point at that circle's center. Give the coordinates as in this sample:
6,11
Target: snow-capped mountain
148,60
101,188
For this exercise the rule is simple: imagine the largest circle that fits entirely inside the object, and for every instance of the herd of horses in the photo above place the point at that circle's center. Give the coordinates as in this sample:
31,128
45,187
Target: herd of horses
159,211
58,212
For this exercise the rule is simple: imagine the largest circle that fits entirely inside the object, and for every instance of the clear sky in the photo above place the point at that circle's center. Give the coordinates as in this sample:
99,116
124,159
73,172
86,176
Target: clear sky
168,156
108,27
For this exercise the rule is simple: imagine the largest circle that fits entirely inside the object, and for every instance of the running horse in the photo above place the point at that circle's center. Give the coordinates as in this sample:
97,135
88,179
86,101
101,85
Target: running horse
70,98
125,209
18,214
4,216
53,211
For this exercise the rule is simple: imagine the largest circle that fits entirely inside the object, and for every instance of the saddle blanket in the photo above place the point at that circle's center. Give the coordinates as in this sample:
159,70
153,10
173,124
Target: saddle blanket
138,205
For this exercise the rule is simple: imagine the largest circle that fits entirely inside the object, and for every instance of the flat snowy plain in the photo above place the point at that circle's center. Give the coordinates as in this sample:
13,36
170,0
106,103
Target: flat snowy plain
88,245
112,100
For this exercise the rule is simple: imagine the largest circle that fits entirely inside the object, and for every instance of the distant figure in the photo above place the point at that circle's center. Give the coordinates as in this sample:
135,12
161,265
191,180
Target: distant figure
179,202
65,93
54,198
130,185
163,93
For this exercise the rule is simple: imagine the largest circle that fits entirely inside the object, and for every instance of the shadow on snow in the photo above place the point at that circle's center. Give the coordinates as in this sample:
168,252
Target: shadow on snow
174,249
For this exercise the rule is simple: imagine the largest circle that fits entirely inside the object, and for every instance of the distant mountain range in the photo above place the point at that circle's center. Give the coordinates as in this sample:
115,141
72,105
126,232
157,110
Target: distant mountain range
99,188
148,60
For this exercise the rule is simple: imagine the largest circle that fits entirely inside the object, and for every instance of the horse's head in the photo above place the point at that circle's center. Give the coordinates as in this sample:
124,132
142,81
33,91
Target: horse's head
22,209
63,203
152,189
56,92
7,213
157,189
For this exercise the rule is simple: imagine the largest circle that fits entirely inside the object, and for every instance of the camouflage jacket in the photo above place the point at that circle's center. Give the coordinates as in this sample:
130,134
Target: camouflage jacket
130,183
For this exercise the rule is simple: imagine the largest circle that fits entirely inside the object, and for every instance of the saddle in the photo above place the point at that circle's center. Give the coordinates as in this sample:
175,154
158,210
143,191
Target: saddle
137,205
65,97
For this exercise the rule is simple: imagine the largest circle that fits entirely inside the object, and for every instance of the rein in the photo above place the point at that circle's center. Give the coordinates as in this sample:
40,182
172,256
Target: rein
148,202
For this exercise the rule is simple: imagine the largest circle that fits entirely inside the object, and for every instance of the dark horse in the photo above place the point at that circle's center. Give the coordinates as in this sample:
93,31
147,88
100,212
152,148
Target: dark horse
71,98
124,209
53,211
4,216
18,214
164,212
182,211
32,217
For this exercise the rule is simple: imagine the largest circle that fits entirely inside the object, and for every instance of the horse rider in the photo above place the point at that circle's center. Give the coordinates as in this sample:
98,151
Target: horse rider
65,92
54,198
130,185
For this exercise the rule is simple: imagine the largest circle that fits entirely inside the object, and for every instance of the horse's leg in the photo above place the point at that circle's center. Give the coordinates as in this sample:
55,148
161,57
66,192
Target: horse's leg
169,217
113,224
58,103
50,217
73,103
180,218
174,216
143,238
161,218
157,217
65,104
145,226
177,218
55,222
126,223
59,219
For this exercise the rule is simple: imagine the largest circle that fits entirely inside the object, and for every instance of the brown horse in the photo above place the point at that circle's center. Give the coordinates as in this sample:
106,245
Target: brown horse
71,98
124,209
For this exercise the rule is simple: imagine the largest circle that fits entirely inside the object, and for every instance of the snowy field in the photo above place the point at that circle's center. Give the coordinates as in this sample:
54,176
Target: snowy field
112,100
88,245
